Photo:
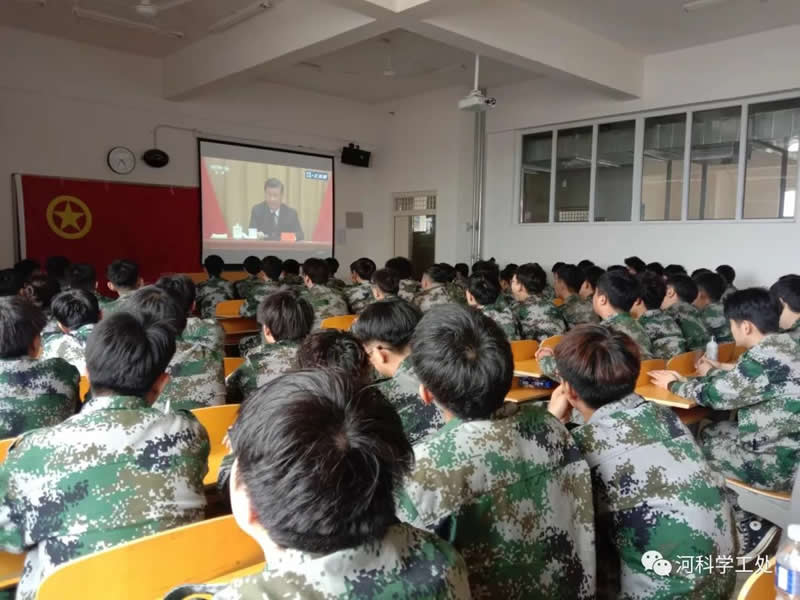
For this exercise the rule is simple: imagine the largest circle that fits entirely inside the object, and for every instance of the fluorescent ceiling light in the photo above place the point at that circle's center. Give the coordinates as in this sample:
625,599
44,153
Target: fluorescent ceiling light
794,146
237,17
700,4
100,17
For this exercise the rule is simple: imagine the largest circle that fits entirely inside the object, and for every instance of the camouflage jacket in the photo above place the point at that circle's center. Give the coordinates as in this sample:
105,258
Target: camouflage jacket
794,330
358,297
538,318
765,387
69,346
210,293
713,316
653,491
626,324
102,301
695,331
260,367
36,393
419,419
514,496
409,288
501,314
548,293
427,299
664,333
293,281
255,294
576,311
114,473
116,305
242,288
336,283
326,303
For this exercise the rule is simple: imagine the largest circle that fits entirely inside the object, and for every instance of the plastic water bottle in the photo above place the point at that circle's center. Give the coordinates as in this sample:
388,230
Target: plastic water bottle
237,232
787,565
712,349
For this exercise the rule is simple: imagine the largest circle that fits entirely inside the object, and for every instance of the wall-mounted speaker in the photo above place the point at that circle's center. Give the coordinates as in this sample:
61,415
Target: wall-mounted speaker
354,155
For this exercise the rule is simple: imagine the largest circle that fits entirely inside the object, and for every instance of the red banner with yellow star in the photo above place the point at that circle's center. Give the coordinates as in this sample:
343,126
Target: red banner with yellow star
98,221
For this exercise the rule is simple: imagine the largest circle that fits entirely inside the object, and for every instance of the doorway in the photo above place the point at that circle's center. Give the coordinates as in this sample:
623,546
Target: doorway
415,229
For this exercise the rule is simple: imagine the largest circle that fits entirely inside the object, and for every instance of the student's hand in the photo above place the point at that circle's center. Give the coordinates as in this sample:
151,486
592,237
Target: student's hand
662,379
704,365
542,352
559,405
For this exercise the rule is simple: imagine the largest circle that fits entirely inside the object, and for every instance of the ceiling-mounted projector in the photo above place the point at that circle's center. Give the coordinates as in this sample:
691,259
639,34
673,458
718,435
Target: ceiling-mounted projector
476,101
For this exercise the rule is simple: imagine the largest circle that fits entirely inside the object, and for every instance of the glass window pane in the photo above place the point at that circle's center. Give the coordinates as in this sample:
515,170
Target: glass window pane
715,163
662,168
773,141
573,174
614,181
537,154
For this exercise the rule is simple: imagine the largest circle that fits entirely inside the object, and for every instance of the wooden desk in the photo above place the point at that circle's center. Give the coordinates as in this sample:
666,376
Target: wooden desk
527,394
528,368
661,396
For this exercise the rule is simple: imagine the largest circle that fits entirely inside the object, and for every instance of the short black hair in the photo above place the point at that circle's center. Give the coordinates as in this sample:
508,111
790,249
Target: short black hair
56,267
635,263
273,183
287,316
128,351
462,269
388,322
82,276
214,265
684,287
593,275
532,277
701,271
787,288
272,267
756,305
621,289
333,265
508,272
600,363
488,268
387,281
464,359
441,273
10,282
320,458
363,267
291,267
159,305
75,308
728,273
180,287
20,323
317,271
671,270
656,267
123,273
713,284
27,267
572,277
484,288
41,289
585,264
652,289
334,349
252,264
556,266
402,265
613,268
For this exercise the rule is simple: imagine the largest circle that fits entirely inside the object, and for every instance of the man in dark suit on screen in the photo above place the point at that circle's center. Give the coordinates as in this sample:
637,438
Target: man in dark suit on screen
272,217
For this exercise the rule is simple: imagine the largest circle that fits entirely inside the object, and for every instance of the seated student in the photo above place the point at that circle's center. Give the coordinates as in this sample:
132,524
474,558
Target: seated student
584,264
334,349
359,295
215,289
616,293
385,284
325,301
196,371
76,312
333,268
82,276
650,480
434,292
56,268
40,291
664,332
118,471
671,270
33,392
483,293
285,320
504,482
385,329
203,331
317,461
762,447
269,283
409,287
710,288
26,268
729,275
701,271
635,265
252,266
291,274
123,279
462,274
568,282
678,303
10,282
538,317
590,278
787,292
506,276
657,268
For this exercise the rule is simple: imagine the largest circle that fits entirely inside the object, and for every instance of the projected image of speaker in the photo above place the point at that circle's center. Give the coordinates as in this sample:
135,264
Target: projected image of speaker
354,155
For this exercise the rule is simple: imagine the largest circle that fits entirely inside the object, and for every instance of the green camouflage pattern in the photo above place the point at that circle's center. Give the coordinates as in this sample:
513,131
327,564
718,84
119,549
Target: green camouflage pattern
664,332
456,292
653,491
514,496
402,391
210,293
695,331
763,447
538,318
502,314
101,300
255,294
242,288
427,299
293,280
576,311
69,346
794,331
358,297
625,323
713,316
36,393
336,283
409,288
326,303
260,367
112,306
116,472
548,293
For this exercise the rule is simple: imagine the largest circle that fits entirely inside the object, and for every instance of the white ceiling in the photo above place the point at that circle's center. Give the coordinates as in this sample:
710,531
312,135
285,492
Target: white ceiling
653,26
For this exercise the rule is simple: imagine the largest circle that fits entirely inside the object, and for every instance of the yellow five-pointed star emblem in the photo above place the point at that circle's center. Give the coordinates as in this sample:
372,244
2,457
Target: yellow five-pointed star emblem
68,211
69,218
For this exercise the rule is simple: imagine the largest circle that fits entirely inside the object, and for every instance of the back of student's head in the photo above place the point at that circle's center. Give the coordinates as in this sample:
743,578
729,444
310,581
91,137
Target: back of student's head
387,281
320,457
333,265
402,265
488,268
712,284
671,270
159,305
508,272
56,267
291,267
10,282
701,271
82,276
181,288
462,269
652,289
613,268
316,270
593,275
531,277
288,317
26,267
464,359
484,288
585,264
334,349
556,266
787,288
571,276
75,308
440,273
621,289
363,267
636,264
728,273
127,352
756,305
272,267
214,265
252,264
684,287
599,363
41,289
21,322
655,267
123,273
389,322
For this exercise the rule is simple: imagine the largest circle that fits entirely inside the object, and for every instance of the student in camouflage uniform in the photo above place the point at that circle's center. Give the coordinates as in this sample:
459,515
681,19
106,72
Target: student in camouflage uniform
385,284
483,294
269,283
82,276
729,275
33,392
681,293
333,268
385,328
334,349
325,301
786,291
359,295
710,288
574,311
615,295
434,290
408,287
325,515
76,312
215,289
653,490
505,484
252,266
663,331
291,275
538,317
286,320
116,472
123,279
591,275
